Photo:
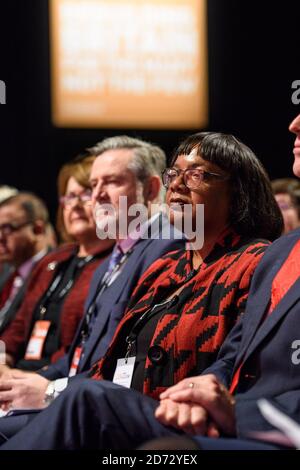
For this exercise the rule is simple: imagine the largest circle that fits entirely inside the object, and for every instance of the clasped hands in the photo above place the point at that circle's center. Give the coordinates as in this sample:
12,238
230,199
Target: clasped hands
198,406
19,389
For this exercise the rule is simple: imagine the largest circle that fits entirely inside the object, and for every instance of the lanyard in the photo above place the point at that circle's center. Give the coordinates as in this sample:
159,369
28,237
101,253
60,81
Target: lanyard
56,282
139,324
109,277
107,280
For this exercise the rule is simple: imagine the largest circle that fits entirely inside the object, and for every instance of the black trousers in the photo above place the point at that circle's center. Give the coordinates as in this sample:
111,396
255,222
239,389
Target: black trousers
93,414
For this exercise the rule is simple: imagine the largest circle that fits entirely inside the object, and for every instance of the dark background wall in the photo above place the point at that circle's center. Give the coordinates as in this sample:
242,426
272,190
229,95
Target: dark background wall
254,56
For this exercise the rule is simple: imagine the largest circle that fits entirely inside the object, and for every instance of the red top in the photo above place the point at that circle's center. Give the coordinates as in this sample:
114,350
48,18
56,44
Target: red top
209,305
7,288
284,279
16,334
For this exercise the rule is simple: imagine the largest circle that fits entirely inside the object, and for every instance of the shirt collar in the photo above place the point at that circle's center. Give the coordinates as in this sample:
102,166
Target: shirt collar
26,267
128,243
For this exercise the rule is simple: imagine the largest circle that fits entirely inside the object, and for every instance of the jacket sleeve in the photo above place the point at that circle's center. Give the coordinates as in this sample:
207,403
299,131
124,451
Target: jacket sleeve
16,333
57,370
249,418
224,366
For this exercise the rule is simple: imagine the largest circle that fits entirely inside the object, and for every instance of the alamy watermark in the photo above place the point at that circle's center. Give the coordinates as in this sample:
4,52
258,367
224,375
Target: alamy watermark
119,223
295,358
296,94
2,92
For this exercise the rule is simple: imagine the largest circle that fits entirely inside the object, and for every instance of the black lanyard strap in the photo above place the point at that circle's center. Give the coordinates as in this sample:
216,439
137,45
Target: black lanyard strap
139,324
56,282
109,277
106,281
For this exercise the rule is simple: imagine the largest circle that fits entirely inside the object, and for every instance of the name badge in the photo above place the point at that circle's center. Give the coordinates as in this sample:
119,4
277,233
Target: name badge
37,340
75,361
124,372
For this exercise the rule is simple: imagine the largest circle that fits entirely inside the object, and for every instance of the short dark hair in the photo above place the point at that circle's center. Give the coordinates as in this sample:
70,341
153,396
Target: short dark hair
254,211
33,206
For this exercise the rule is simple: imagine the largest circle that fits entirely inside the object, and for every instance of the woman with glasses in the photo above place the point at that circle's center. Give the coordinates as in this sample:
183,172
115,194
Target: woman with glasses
45,324
208,285
183,307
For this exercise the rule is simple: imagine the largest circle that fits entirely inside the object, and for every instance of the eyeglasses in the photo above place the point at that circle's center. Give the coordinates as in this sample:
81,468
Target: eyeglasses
9,228
192,177
70,199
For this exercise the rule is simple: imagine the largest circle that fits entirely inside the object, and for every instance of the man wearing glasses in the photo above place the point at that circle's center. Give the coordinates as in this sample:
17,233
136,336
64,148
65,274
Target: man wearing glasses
23,242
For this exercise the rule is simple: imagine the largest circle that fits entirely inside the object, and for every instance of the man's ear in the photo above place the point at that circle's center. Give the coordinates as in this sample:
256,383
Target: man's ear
38,227
152,188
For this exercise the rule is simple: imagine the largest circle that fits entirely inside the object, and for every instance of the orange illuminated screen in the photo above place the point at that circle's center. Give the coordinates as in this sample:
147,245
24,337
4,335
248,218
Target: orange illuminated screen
129,64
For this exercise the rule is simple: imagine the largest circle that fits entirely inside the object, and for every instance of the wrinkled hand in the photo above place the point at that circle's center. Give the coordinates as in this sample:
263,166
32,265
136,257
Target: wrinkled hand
211,395
3,370
188,417
8,373
23,390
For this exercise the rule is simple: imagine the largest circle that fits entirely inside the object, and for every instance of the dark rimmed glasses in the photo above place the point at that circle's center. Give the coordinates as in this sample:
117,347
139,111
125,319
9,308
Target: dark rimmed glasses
192,177
9,228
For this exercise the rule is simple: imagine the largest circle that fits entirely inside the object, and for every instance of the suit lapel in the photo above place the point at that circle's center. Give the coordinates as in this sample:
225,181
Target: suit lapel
110,298
282,309
255,327
14,306
5,274
256,307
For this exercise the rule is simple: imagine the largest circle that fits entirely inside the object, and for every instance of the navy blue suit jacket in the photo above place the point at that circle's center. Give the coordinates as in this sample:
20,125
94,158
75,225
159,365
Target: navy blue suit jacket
265,347
113,302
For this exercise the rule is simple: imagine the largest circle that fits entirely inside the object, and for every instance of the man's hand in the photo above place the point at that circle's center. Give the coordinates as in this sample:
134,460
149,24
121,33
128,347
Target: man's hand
8,373
207,392
4,369
188,417
23,390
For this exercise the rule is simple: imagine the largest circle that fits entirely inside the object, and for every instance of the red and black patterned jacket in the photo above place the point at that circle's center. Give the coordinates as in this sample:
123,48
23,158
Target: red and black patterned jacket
16,334
192,332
